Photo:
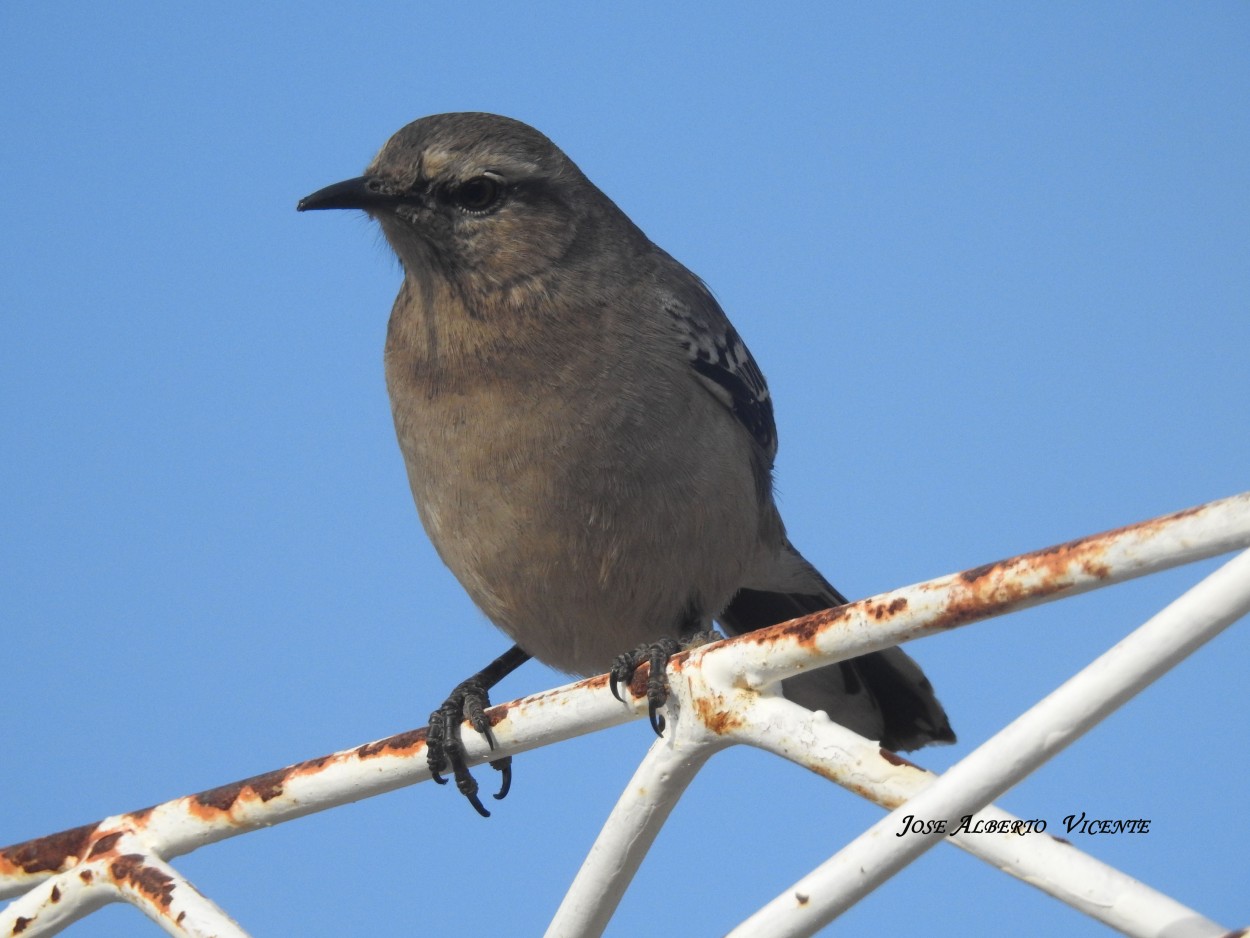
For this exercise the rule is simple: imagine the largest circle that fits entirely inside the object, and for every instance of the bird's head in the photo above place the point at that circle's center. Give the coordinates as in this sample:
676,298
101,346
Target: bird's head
484,201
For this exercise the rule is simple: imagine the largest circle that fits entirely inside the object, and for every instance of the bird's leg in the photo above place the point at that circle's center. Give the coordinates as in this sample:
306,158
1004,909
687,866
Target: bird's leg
443,748
656,655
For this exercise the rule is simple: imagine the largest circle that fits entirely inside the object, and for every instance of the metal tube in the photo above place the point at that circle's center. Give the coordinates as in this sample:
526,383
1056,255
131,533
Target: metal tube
762,658
1047,863
667,769
1010,755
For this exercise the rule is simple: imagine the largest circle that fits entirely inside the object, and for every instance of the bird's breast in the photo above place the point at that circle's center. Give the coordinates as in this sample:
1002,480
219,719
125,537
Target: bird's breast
584,509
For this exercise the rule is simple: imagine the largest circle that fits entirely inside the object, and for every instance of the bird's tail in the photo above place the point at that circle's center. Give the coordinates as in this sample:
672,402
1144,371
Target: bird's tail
883,695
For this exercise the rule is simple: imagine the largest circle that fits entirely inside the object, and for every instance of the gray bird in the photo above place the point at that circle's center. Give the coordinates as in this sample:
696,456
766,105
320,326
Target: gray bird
588,440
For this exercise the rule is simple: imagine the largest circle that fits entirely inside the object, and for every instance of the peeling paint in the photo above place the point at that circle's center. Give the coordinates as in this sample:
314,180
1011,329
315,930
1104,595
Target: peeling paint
131,870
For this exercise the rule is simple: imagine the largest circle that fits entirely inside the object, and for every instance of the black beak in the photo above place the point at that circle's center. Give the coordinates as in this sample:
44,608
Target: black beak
363,192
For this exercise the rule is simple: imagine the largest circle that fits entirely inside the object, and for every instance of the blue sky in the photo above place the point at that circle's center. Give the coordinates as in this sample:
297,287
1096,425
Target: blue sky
993,260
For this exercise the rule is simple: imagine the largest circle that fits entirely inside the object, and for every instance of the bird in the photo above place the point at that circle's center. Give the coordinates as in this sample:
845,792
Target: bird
587,438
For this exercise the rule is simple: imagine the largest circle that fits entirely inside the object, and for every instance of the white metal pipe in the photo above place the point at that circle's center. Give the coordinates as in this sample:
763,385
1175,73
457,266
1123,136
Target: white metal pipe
666,771
759,659
121,868
1051,865
184,824
1010,755
55,904
162,894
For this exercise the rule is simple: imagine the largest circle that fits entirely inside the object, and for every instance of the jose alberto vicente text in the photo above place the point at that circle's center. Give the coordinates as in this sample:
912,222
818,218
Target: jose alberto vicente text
1072,824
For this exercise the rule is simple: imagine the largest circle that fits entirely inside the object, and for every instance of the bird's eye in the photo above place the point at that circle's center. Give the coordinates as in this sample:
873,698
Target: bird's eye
480,194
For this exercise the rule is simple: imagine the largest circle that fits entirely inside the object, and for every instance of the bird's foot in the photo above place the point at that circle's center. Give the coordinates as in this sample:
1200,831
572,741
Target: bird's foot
444,749
656,655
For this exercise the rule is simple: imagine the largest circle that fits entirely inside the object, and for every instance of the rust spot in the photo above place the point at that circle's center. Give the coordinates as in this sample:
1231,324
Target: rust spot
638,683
181,916
105,843
141,816
1053,560
976,573
151,882
802,897
880,611
400,742
56,893
717,720
987,590
895,759
223,798
805,630
1061,840
19,926
47,854
596,682
86,876
990,591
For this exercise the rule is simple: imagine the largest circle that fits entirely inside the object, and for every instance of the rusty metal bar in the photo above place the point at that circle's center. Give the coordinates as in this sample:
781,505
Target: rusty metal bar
149,883
55,904
119,868
726,681
184,824
1010,755
990,590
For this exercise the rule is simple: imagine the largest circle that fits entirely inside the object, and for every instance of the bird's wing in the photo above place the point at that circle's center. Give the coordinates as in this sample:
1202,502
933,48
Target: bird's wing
724,365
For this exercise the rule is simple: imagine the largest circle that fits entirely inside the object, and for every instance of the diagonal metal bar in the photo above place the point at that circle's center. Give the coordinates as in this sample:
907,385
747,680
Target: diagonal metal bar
1047,728
119,867
160,892
55,904
1047,863
184,824
763,658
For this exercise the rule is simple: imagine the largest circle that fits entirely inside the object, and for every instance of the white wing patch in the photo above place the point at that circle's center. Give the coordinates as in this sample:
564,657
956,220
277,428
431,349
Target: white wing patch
725,367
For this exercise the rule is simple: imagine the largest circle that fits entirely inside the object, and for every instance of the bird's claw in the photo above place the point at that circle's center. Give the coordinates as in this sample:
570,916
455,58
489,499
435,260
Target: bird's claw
655,655
444,749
